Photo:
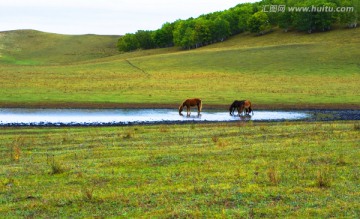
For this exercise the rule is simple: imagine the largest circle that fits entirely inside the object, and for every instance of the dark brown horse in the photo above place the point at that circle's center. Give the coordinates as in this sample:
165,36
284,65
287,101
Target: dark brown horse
189,103
241,105
235,105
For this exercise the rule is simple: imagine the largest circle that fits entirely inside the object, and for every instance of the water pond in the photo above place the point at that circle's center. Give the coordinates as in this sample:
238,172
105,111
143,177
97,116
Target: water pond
94,117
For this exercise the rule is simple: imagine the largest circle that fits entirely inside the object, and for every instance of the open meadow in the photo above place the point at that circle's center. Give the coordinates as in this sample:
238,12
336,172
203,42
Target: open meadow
213,170
239,170
289,69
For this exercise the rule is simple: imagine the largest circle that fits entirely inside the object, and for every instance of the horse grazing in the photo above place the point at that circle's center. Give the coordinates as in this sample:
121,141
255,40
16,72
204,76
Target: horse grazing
241,105
189,103
235,105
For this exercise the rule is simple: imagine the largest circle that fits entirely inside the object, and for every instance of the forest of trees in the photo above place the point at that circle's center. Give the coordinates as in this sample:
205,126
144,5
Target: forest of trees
258,18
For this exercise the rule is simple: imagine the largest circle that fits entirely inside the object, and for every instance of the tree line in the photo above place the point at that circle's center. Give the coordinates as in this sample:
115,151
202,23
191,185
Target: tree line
258,18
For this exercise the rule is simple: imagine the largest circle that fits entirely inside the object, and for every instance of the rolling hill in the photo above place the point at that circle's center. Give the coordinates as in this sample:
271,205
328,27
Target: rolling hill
31,47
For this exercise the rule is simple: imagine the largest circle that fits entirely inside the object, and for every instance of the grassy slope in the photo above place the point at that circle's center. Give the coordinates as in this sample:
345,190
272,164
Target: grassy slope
239,170
30,47
283,68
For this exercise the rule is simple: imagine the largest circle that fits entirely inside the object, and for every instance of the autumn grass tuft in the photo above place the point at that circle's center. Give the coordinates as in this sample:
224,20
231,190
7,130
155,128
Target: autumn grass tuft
273,176
357,126
57,168
323,178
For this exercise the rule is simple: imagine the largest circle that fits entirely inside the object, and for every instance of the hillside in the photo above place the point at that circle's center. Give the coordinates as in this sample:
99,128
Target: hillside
32,47
277,70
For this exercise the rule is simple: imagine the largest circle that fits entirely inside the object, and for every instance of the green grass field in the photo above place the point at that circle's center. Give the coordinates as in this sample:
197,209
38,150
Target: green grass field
221,170
283,68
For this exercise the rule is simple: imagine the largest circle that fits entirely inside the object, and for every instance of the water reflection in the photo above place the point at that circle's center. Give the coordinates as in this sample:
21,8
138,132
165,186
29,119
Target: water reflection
245,117
124,116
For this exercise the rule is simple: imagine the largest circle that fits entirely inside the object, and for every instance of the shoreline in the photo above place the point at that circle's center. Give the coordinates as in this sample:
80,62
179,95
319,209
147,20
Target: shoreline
79,105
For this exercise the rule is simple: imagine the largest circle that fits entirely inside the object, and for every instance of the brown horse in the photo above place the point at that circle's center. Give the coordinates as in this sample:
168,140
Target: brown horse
189,103
235,105
246,105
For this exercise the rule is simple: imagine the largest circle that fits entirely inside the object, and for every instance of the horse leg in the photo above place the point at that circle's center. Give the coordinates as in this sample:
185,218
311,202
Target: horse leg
188,111
198,109
240,110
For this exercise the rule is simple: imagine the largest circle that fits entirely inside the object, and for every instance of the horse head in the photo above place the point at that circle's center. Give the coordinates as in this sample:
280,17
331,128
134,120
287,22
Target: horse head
181,107
231,110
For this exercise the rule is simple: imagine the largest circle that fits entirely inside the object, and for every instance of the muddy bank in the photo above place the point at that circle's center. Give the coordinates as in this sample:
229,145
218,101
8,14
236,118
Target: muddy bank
333,115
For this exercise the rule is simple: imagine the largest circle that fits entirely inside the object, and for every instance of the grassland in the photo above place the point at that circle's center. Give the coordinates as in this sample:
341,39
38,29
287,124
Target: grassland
239,170
288,69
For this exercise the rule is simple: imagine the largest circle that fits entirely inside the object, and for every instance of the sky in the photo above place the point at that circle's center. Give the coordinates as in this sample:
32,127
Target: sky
105,17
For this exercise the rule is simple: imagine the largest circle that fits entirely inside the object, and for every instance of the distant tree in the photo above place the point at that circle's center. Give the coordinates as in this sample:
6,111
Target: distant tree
220,29
282,18
316,18
324,20
232,17
349,18
217,26
128,42
244,11
285,20
163,37
189,39
179,32
272,15
259,23
144,38
202,32
184,34
304,21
